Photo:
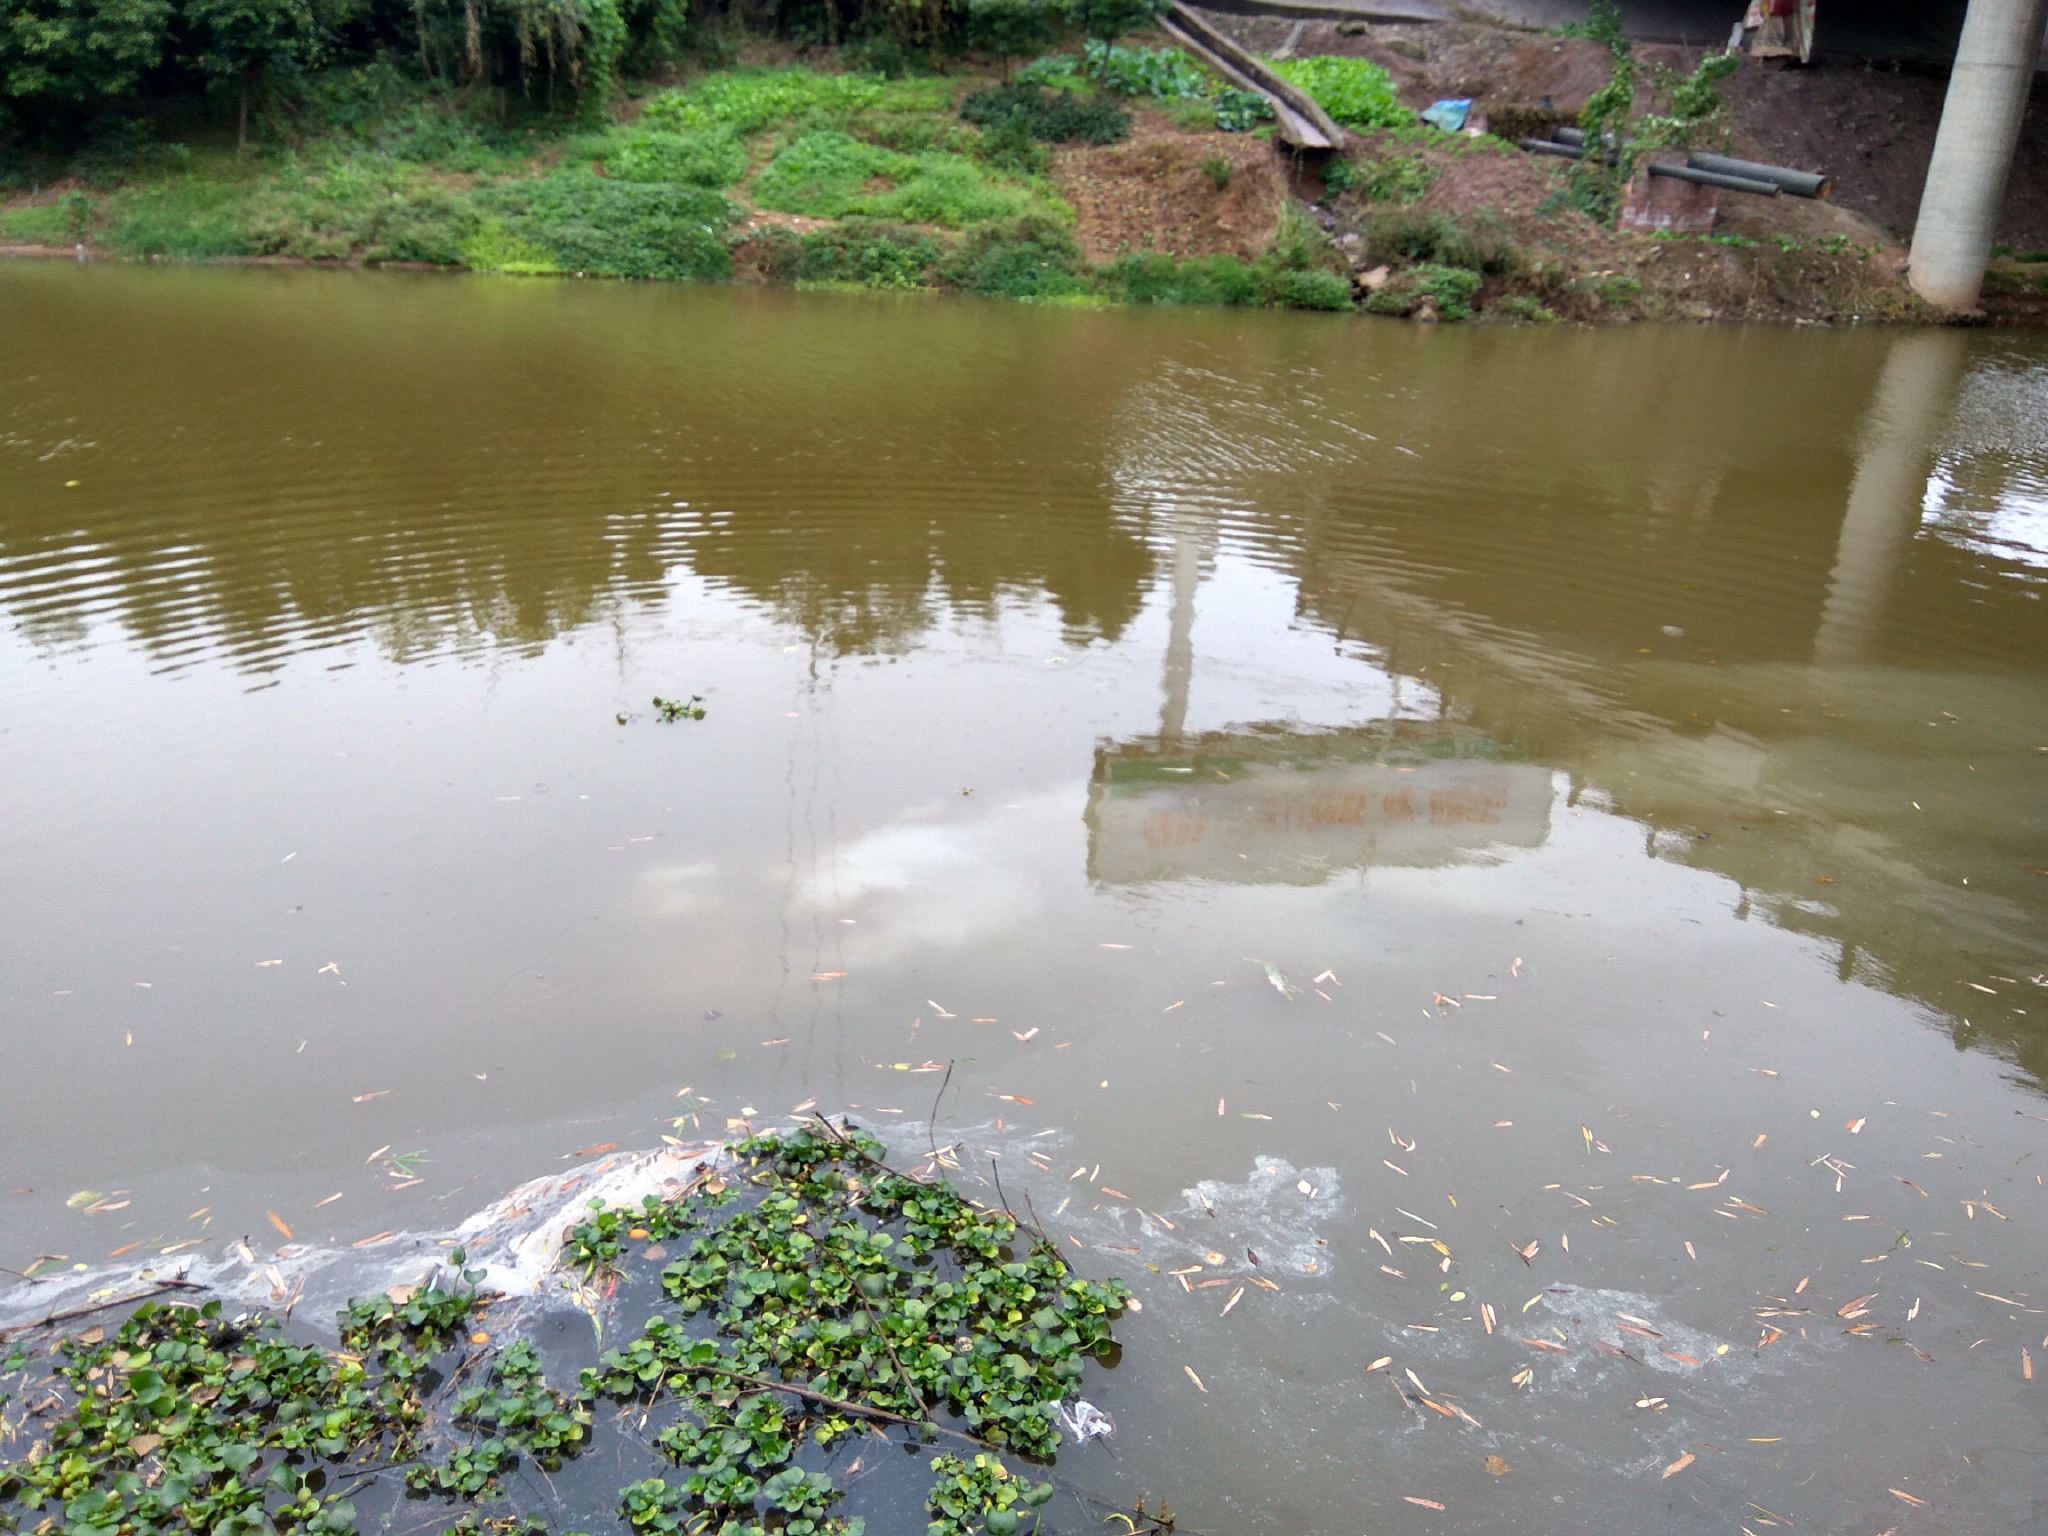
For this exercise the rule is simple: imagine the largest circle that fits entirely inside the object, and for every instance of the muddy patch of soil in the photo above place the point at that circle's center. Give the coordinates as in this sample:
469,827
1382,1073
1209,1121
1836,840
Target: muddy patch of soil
1171,190
1867,123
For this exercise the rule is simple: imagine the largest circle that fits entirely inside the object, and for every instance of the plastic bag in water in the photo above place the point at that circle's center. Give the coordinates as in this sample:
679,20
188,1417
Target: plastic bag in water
1084,1421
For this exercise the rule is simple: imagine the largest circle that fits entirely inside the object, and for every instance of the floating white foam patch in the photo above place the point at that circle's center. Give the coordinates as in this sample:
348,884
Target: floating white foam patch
1265,1221
1269,1212
515,1241
1694,1389
1278,1213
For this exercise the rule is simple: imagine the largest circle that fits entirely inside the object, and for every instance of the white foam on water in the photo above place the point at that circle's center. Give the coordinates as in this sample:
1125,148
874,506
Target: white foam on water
516,1241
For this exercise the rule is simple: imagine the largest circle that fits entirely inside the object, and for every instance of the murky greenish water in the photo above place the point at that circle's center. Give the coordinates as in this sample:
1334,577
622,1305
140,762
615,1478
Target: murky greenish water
1385,787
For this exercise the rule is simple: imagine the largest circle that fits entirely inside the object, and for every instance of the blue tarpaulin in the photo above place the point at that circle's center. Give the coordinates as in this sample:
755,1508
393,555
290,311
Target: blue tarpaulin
1449,115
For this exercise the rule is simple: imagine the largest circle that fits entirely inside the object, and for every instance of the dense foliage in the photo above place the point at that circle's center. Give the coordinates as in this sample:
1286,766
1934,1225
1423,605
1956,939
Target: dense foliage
1051,117
61,59
66,64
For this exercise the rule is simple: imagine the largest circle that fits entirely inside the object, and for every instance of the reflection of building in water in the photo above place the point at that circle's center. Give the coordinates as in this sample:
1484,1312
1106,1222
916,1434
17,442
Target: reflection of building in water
1272,807
1839,715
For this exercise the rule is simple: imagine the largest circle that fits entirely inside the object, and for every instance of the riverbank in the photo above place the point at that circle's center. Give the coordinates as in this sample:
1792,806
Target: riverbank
1093,175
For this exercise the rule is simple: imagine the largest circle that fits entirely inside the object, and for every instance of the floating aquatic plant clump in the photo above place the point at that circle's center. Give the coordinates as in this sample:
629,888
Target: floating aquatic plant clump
858,1295
808,1299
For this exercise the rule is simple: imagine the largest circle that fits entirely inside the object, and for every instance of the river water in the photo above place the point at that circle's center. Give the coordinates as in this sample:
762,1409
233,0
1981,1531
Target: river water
1329,789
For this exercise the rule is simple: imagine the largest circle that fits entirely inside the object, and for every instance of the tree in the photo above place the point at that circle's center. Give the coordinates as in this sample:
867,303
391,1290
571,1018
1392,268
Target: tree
578,43
1111,19
656,29
79,53
244,41
1007,28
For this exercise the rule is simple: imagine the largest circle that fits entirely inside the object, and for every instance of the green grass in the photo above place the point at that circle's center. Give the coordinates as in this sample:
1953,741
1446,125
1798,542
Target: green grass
586,224
364,206
37,224
745,101
828,174
185,217
711,157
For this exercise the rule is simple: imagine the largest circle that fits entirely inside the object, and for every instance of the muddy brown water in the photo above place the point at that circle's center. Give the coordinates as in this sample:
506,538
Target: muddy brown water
1334,788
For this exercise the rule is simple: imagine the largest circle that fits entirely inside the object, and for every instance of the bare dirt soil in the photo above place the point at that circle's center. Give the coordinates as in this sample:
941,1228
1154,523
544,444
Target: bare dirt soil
1180,191
1869,125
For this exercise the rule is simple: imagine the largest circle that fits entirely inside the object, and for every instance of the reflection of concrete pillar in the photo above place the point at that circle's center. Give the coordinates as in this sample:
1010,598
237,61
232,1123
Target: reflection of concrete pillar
1180,642
1907,412
1980,127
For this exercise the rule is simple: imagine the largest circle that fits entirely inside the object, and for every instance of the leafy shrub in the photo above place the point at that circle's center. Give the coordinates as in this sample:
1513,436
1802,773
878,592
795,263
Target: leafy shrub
1217,169
184,217
365,205
1310,290
1602,24
712,158
1449,290
1151,277
1012,149
1612,290
1163,72
1356,92
1481,245
1051,117
1029,258
357,99
1394,179
1274,279
615,229
1299,245
447,137
884,55
1527,307
1241,111
1055,71
491,247
1579,194
832,175
869,254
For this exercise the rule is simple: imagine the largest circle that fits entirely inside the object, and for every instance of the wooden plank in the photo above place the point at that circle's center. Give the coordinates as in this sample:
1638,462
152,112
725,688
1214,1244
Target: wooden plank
1300,121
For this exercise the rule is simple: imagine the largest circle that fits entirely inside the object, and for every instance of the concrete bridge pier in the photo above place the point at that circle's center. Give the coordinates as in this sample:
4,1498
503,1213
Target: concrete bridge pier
1980,127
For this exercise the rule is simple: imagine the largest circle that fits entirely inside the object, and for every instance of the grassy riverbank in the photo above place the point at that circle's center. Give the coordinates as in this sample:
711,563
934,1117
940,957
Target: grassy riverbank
1096,173
769,170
